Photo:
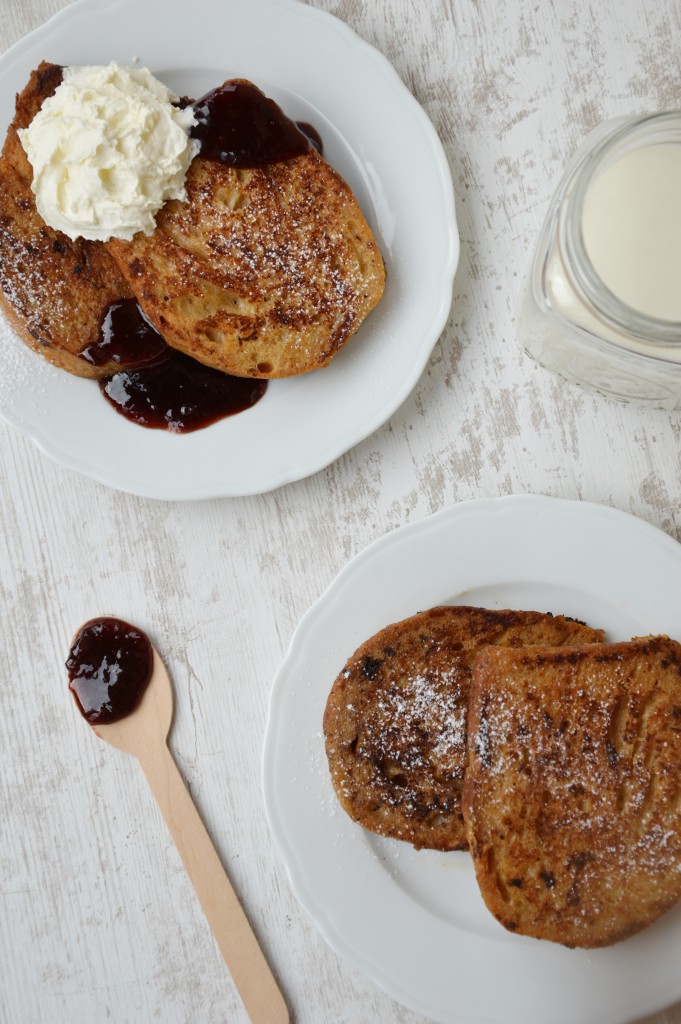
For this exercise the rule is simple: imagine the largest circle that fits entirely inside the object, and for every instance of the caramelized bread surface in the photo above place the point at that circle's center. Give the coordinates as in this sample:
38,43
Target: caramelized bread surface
264,272
572,796
53,291
396,718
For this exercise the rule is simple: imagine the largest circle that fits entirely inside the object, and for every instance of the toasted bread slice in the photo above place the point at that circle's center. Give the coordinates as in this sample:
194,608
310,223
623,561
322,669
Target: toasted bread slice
395,720
264,272
53,291
572,797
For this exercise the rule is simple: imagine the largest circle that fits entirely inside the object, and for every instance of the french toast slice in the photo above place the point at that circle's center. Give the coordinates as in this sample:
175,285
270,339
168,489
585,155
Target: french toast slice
572,797
53,291
396,718
264,272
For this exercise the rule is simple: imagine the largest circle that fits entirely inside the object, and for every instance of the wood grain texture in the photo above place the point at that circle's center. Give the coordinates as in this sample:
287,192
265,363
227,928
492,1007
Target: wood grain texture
86,864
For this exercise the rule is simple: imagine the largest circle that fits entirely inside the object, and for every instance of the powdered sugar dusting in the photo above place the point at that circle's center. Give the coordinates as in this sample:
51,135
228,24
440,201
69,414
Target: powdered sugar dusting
575,785
283,265
414,708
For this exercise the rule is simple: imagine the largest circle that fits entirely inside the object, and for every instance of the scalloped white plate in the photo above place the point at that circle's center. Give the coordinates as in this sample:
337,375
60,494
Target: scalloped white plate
414,921
380,140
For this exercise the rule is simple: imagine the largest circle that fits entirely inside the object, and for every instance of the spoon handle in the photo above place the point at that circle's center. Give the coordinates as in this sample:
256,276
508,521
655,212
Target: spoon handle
250,972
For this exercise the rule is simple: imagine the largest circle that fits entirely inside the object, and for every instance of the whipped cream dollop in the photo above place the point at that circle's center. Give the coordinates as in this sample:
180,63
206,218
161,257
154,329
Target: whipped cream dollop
108,149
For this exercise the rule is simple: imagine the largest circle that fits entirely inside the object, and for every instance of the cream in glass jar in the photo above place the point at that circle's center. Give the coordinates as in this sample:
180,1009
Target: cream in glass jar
602,306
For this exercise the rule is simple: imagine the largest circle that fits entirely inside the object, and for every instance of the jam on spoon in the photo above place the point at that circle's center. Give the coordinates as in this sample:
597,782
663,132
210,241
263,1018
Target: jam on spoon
109,666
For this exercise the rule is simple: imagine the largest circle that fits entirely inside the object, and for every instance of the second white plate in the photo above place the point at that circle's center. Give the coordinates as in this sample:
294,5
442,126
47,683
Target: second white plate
414,921
385,147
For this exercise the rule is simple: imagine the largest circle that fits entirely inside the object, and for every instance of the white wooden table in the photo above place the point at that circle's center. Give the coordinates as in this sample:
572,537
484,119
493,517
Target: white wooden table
88,930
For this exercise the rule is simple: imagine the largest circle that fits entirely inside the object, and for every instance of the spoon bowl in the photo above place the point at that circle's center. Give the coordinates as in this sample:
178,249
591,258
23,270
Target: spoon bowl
149,724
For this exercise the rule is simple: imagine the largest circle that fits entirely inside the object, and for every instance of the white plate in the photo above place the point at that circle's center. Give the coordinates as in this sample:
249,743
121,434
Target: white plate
415,922
382,143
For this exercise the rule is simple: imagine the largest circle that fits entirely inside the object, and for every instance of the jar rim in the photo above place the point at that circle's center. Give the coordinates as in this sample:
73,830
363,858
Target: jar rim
622,317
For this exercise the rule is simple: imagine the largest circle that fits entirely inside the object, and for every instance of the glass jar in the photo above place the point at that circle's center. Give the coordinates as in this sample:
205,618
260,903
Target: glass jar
570,321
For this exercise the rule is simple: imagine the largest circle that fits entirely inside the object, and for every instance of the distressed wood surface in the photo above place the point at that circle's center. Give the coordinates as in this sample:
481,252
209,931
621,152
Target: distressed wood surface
85,861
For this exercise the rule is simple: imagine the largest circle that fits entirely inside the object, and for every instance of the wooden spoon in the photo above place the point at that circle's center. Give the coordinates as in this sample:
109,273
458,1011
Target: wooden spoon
144,733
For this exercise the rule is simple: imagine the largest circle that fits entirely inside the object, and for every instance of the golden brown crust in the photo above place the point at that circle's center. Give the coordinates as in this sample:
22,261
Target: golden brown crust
53,291
395,720
572,797
264,272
